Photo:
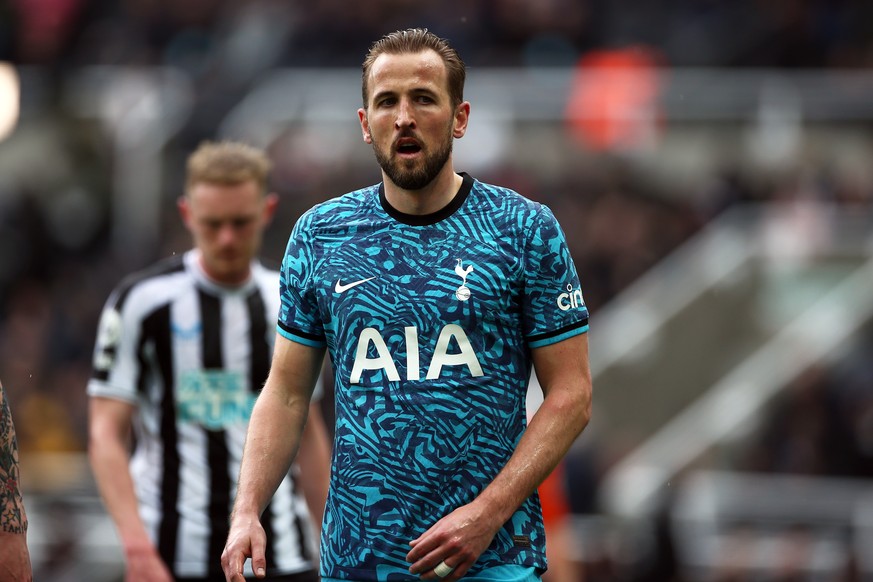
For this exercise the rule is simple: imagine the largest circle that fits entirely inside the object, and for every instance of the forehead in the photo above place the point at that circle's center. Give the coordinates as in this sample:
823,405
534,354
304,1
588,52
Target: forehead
398,72
212,198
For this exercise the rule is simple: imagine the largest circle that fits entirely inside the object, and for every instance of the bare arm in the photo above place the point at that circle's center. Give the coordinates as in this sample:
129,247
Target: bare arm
14,557
109,453
273,438
564,374
460,537
313,458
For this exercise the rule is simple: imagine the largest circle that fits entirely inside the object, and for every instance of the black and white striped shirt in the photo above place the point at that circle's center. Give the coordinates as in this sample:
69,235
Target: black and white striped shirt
192,356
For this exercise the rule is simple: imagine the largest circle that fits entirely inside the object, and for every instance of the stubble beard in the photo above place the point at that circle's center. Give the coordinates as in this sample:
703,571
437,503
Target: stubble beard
418,176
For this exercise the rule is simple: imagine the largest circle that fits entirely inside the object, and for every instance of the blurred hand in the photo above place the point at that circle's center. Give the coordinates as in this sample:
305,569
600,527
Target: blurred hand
14,558
246,539
144,564
458,539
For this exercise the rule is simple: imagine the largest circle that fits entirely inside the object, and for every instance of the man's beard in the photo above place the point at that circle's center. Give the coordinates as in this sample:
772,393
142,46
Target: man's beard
416,178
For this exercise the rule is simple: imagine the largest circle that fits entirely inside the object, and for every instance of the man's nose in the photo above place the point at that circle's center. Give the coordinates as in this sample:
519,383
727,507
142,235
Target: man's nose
405,117
227,234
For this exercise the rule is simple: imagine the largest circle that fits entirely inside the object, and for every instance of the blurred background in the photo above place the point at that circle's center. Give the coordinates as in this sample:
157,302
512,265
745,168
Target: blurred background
709,160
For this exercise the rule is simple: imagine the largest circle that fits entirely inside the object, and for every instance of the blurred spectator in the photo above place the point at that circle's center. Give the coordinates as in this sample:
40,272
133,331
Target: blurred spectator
823,424
613,105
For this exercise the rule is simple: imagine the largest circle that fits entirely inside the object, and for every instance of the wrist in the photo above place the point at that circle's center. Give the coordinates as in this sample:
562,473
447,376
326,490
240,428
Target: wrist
242,512
137,546
491,508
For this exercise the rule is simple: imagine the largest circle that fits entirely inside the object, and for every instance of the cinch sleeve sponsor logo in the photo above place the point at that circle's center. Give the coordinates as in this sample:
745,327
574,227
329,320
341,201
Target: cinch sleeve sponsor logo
572,299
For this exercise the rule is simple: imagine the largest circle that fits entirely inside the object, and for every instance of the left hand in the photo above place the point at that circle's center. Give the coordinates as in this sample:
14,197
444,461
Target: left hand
457,539
247,539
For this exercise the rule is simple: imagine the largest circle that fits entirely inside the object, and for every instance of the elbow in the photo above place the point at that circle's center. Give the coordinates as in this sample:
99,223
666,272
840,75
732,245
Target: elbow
101,443
582,414
582,407
575,409
95,445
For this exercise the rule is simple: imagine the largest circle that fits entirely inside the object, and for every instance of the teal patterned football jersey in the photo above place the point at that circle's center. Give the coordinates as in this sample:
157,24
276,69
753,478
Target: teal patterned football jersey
429,322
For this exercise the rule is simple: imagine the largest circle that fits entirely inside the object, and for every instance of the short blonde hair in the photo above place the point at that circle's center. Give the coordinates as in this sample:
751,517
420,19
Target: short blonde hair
227,163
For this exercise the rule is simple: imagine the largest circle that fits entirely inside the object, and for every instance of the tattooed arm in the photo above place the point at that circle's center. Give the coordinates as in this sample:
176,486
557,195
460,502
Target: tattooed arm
14,557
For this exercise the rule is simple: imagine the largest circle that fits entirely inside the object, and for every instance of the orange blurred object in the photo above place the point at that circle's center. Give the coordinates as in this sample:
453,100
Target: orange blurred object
613,103
553,497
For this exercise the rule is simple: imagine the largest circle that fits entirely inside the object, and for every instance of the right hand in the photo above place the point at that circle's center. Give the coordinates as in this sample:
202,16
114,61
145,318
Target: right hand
14,558
144,564
247,539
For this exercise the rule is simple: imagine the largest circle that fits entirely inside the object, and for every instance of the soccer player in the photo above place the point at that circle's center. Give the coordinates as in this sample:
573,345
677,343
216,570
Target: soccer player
435,295
182,352
14,557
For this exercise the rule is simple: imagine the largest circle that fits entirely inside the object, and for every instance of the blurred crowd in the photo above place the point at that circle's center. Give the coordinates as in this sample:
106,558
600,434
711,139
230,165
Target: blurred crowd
822,424
205,35
58,263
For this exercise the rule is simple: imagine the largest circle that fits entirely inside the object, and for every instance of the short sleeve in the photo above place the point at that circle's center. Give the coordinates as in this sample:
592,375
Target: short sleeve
554,307
115,365
299,319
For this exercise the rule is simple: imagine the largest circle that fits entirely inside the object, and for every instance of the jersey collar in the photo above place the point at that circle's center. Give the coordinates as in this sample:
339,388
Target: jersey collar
192,263
433,217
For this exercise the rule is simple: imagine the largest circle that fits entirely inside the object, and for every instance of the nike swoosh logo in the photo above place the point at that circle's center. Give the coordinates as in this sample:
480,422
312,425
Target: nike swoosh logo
339,287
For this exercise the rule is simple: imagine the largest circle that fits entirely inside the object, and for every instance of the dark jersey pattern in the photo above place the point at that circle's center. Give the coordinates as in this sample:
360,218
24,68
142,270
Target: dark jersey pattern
429,322
192,356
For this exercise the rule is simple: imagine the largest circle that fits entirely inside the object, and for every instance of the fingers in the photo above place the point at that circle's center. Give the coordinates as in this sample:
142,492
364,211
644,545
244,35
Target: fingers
433,560
232,564
237,550
450,547
259,559
446,570
443,569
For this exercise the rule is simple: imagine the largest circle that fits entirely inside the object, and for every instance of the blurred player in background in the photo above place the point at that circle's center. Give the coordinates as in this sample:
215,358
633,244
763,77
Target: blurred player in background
14,557
435,295
183,351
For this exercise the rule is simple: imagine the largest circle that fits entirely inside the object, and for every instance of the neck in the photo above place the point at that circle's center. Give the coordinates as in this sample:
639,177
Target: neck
230,279
427,200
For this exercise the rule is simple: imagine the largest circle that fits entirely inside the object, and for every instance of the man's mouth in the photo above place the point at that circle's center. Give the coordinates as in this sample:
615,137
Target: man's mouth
407,146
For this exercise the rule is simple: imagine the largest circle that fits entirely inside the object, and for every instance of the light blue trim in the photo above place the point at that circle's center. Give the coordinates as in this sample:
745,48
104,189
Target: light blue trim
505,573
299,339
558,338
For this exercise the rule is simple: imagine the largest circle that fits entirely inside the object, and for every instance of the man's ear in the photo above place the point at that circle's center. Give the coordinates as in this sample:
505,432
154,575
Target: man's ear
184,210
462,117
271,201
365,126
